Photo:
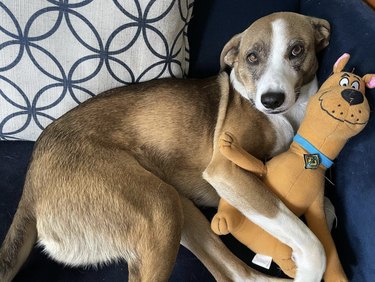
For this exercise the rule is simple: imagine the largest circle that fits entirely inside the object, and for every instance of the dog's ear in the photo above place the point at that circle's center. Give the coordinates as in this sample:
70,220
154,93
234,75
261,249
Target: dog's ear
370,80
341,63
230,51
322,30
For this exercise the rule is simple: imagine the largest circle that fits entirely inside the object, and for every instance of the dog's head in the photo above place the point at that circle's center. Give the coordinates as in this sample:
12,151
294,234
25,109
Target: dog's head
274,58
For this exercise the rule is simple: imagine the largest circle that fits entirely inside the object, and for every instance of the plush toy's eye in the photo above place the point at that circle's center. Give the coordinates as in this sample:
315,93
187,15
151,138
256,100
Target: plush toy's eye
344,82
355,85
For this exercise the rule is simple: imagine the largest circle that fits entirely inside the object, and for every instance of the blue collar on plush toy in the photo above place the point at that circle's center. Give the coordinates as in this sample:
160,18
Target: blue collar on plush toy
314,157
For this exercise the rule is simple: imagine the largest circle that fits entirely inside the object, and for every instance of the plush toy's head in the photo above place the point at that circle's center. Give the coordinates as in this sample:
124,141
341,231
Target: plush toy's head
340,104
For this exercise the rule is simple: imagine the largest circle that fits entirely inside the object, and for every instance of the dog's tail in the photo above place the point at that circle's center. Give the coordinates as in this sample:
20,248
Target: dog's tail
18,242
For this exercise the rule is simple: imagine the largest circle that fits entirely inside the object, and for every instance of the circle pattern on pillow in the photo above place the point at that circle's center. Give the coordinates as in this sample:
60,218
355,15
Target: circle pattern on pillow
55,54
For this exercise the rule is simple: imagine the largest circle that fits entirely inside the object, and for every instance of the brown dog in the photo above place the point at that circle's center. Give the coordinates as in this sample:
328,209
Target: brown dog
119,177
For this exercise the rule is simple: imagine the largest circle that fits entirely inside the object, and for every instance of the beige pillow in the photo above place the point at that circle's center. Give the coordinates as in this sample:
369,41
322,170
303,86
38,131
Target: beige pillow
54,56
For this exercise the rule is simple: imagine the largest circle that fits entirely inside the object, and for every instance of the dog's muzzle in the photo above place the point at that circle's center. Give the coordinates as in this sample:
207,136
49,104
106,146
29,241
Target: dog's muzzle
272,100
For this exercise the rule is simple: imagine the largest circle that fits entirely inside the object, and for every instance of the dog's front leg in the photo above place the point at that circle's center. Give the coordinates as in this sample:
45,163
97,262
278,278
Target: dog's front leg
250,195
210,250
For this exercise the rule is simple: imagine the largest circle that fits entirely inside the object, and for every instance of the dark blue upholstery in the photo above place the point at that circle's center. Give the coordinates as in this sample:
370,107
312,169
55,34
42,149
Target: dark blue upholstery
214,22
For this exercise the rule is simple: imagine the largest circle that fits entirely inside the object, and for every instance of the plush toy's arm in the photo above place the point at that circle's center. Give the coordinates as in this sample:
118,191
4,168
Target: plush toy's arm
316,221
230,148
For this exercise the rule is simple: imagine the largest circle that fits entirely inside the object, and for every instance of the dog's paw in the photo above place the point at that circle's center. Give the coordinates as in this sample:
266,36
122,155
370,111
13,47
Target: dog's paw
224,223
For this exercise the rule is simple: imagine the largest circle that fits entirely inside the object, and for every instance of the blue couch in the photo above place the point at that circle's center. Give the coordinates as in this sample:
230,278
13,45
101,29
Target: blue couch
214,22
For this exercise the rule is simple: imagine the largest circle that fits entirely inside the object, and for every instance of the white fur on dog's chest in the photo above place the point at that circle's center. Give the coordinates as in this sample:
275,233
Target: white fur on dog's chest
286,125
284,133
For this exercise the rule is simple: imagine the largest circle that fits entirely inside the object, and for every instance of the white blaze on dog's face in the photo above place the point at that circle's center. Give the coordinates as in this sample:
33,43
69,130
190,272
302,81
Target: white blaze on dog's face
274,58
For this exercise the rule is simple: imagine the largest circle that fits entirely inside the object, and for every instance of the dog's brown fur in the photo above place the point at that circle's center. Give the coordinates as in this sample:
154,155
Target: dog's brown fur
119,177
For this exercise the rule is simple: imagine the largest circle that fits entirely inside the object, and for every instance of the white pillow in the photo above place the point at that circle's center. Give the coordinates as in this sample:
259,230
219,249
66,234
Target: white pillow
54,56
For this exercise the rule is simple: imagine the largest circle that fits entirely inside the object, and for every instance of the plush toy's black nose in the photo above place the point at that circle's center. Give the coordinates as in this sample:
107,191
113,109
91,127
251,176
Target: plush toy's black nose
352,96
272,100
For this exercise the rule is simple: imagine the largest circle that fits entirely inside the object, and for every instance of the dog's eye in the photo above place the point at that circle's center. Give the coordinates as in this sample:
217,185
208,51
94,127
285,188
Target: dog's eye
344,82
297,51
252,58
355,85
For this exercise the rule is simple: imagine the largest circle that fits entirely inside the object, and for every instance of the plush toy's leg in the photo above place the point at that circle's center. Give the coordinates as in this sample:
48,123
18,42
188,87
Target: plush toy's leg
227,219
261,242
211,251
317,222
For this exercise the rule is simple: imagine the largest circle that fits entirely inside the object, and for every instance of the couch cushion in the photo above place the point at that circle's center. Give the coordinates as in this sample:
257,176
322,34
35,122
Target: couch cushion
54,54
353,29
14,159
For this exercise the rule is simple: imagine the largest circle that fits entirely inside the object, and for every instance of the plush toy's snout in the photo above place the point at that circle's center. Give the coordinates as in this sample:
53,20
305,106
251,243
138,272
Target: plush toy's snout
353,97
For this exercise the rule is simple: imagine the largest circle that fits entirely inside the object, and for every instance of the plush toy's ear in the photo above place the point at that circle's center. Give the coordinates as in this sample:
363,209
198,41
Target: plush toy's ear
230,52
341,63
370,80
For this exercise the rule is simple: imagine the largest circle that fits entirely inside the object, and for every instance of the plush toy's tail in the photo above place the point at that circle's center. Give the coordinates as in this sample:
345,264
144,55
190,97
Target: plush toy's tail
18,243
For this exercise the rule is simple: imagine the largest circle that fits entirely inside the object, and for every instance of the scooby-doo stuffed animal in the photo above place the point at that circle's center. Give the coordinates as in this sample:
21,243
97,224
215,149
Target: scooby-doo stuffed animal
338,111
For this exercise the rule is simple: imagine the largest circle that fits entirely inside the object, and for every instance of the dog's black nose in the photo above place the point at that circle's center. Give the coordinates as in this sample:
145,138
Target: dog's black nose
272,100
352,96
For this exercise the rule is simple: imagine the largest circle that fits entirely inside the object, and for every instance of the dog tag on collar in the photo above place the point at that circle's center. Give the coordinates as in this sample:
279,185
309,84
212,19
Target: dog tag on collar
312,161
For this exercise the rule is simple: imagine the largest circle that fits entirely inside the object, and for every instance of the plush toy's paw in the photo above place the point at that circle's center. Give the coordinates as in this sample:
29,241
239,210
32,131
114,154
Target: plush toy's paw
287,265
335,272
219,225
335,277
223,223
226,140
283,258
